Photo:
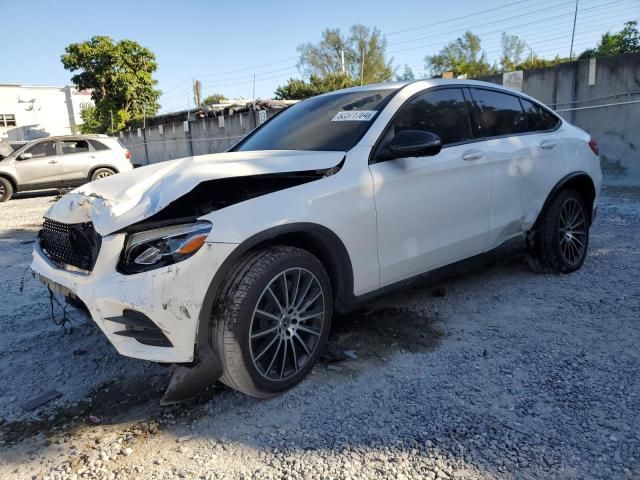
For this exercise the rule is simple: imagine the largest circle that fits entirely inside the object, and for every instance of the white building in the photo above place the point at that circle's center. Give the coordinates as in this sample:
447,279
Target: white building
28,112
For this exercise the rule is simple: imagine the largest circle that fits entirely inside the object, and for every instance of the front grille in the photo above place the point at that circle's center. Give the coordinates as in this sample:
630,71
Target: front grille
75,244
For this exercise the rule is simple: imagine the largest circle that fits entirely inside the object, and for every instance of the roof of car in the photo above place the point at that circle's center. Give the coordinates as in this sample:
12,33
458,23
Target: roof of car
428,82
71,137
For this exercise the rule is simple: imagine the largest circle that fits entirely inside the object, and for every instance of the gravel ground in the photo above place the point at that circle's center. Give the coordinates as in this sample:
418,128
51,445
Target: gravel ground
500,373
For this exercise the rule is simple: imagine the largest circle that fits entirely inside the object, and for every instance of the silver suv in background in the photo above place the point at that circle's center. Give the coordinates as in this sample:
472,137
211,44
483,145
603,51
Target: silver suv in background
61,162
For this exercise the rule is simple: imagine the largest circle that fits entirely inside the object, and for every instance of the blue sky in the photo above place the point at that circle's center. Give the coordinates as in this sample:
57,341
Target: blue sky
224,43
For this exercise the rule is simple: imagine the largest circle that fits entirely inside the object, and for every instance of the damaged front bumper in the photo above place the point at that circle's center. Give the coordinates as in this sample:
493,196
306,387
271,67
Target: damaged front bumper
170,297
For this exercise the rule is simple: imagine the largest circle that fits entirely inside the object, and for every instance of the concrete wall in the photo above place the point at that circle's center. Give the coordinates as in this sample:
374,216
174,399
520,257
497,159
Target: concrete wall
184,139
601,96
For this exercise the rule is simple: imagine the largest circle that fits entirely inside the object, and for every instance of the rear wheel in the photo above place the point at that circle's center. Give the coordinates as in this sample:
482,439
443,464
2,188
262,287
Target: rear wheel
6,189
272,320
563,238
101,173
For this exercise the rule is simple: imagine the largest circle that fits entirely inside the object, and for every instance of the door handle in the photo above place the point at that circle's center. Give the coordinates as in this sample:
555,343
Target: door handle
52,161
471,156
547,144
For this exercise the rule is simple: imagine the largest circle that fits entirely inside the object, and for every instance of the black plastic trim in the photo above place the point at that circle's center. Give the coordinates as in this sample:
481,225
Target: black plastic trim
509,248
559,186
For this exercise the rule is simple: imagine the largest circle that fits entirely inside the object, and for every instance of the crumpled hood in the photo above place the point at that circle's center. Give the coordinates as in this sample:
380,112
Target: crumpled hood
118,201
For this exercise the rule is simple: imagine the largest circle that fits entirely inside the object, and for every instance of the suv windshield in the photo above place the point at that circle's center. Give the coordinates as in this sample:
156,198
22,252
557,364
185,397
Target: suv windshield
332,122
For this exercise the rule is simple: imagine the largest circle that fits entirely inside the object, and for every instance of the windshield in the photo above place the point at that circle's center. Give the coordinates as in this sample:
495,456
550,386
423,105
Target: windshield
333,122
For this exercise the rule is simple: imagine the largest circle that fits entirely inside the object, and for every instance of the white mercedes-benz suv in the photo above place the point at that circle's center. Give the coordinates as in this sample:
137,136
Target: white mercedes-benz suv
231,265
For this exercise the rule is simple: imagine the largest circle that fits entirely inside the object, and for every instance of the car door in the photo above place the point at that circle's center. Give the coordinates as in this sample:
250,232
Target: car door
77,159
431,211
39,165
521,159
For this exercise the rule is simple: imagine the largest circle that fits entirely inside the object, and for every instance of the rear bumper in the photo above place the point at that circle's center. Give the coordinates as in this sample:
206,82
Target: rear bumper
170,297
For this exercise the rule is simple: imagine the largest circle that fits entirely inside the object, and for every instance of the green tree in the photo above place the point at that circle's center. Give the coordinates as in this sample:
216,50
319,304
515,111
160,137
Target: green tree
296,89
626,40
462,56
363,51
512,49
213,99
120,77
407,75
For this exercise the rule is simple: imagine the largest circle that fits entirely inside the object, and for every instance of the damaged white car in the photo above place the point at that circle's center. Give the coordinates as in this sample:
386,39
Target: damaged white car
231,265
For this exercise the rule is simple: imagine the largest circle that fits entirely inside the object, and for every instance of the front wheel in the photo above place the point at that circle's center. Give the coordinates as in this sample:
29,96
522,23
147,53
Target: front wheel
564,234
272,320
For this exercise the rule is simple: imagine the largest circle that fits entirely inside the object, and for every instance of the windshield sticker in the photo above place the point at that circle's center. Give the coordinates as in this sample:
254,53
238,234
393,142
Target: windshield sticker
354,116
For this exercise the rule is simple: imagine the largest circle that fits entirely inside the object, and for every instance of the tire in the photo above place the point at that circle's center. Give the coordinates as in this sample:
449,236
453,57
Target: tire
563,237
102,173
252,339
6,189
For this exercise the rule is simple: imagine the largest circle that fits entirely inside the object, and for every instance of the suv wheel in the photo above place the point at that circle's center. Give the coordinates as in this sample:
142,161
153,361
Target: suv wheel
272,320
564,235
101,173
6,189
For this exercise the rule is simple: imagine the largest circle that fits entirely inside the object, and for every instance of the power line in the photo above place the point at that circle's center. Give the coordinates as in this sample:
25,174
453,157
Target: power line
469,27
505,28
431,25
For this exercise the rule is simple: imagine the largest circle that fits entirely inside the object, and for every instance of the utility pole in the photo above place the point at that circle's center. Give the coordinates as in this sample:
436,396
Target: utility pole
197,89
253,95
111,113
342,59
144,115
362,68
573,33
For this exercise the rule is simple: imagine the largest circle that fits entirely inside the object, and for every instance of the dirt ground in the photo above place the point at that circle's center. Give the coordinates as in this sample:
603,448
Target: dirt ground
499,373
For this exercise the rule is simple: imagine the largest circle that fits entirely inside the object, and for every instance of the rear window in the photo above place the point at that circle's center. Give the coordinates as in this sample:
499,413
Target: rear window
334,122
98,145
70,147
502,113
538,119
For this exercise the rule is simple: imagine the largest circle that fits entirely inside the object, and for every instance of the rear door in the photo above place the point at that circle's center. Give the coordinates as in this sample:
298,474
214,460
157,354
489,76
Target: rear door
39,165
432,211
521,158
77,158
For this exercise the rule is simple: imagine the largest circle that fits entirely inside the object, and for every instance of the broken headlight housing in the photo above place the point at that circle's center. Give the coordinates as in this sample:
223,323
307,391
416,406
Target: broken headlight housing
160,247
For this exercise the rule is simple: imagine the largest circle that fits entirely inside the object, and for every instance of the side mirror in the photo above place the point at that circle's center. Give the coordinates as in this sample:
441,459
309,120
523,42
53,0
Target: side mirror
415,143
25,156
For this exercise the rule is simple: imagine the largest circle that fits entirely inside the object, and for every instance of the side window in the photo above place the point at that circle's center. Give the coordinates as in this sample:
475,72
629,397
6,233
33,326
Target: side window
443,112
502,113
42,149
538,118
98,146
74,146
550,121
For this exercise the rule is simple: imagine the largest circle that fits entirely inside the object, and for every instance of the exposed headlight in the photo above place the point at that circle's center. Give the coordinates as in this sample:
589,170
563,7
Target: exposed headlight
163,246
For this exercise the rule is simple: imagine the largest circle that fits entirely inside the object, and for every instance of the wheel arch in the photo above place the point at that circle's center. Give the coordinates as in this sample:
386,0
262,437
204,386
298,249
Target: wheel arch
97,167
11,180
316,239
579,181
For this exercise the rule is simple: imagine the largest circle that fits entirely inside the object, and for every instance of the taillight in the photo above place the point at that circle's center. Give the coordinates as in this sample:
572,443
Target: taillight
127,154
593,145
